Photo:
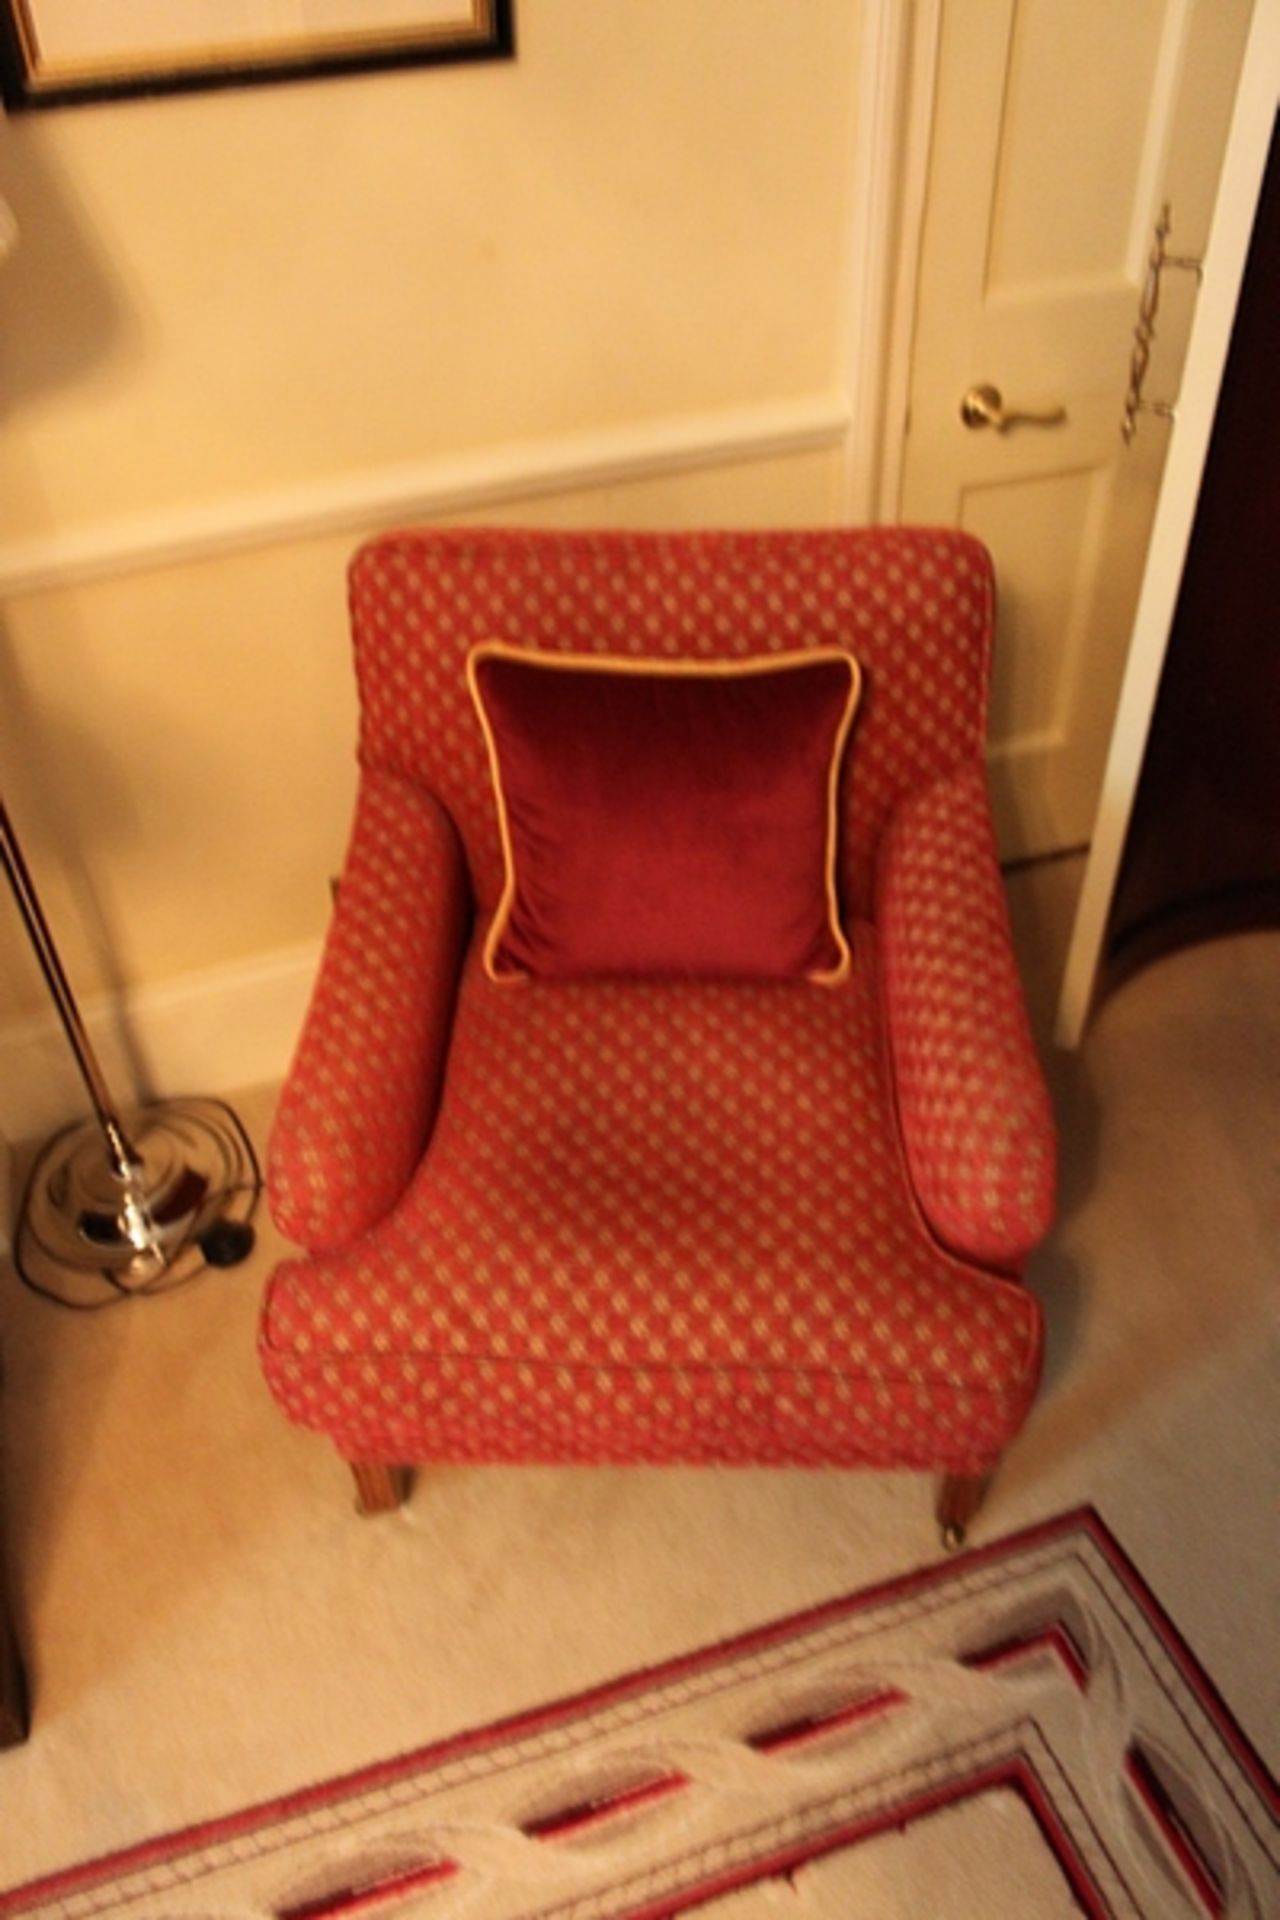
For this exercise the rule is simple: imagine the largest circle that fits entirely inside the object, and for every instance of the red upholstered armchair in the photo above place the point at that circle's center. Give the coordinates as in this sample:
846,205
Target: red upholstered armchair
696,1212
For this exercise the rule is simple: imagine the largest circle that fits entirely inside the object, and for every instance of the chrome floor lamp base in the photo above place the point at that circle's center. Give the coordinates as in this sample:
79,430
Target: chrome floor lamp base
114,1208
94,1228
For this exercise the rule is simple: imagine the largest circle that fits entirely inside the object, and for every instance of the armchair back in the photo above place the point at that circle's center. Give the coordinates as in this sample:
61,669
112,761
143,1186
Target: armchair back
915,606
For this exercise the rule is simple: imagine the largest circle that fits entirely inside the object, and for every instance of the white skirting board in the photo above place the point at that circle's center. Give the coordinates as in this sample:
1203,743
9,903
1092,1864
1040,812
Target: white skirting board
213,1032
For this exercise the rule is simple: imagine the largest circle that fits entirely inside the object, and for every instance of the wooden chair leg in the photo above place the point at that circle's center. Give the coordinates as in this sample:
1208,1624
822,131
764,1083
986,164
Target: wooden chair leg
959,1497
14,1718
379,1488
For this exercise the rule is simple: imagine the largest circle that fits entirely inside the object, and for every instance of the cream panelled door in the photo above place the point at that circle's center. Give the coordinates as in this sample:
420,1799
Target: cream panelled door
1060,129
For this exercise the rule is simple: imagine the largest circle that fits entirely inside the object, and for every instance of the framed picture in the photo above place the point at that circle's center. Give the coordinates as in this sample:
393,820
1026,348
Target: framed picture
56,52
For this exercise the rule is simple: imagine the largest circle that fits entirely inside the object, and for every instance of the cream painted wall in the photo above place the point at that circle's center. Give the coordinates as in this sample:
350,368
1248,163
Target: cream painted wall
645,216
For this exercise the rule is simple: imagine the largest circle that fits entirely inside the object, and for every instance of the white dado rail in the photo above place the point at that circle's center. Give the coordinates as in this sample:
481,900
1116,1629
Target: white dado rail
432,488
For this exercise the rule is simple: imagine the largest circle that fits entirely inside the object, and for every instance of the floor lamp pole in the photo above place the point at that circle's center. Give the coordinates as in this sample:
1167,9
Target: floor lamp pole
112,1208
121,1153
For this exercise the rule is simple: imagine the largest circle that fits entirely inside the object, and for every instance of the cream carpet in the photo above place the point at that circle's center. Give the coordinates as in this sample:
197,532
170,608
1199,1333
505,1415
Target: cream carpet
208,1624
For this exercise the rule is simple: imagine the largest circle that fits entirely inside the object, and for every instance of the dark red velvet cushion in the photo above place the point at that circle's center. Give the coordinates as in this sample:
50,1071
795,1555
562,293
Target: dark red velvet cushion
666,819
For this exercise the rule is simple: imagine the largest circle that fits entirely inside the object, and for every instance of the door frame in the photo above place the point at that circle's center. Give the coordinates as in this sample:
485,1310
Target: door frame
1248,144
897,81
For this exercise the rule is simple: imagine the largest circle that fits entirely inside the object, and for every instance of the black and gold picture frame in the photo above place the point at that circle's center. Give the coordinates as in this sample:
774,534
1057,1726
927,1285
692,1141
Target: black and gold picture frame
57,52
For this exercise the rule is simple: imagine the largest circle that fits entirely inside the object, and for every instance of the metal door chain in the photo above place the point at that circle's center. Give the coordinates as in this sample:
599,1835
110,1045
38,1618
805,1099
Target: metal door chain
1144,332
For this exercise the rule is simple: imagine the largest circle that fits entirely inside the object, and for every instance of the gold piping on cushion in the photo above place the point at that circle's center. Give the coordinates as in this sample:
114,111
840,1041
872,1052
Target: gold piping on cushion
756,664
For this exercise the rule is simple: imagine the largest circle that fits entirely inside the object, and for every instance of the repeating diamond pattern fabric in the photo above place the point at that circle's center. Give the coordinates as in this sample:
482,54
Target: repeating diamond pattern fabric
658,1221
664,1220
975,1115
913,606
356,1108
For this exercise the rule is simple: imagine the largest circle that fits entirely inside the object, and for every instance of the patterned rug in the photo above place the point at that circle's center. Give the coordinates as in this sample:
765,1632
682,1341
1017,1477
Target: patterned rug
1017,1731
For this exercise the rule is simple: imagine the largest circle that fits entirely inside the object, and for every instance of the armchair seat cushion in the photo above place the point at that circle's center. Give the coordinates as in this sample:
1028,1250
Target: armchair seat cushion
661,1221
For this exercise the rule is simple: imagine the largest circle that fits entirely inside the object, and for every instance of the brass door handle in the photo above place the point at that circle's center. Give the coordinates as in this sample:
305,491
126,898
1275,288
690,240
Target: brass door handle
984,407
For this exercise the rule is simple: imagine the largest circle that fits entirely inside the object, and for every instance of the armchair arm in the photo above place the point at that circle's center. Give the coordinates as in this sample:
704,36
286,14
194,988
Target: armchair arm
361,1095
976,1123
